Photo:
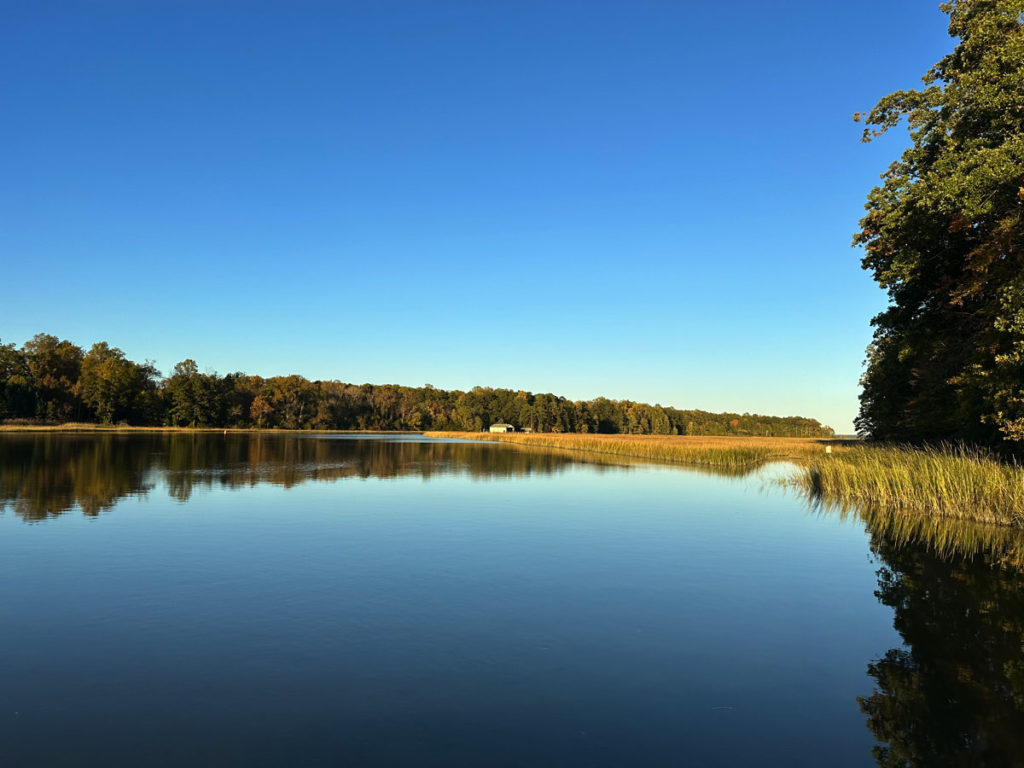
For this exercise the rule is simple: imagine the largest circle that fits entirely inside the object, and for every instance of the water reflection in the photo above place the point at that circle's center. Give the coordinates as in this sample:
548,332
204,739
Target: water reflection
954,695
951,695
46,475
945,537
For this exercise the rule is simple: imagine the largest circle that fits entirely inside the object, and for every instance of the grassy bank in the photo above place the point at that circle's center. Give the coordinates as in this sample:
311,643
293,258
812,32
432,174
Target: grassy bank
720,452
953,482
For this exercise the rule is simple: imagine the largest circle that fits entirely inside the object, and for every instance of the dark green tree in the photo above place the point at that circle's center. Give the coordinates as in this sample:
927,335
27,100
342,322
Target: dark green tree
194,399
55,367
17,398
944,234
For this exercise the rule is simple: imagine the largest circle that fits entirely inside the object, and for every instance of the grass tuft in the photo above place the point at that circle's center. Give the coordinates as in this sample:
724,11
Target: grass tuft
950,481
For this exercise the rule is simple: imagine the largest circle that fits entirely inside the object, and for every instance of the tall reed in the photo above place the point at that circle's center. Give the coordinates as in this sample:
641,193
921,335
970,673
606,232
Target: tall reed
949,481
953,481
727,453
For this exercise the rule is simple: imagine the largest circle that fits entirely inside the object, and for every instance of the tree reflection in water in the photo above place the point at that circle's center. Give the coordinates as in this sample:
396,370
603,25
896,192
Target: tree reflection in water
954,695
46,475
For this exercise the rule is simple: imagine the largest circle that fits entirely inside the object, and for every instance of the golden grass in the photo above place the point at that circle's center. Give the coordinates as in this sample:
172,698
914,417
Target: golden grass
949,481
720,452
946,482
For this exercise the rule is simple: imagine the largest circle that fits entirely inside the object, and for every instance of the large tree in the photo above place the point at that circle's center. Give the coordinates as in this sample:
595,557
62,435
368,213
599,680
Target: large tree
944,234
115,388
194,399
17,398
54,368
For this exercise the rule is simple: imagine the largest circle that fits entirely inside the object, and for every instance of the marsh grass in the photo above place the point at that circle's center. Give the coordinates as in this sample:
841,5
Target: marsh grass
737,454
949,481
945,481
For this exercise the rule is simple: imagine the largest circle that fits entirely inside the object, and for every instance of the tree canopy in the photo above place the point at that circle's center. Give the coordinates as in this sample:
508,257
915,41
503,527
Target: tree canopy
944,234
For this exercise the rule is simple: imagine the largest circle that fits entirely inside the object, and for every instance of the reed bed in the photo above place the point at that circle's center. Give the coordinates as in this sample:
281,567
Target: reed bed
729,453
951,481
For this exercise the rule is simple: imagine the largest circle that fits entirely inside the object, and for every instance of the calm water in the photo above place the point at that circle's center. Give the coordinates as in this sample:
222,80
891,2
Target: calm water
322,601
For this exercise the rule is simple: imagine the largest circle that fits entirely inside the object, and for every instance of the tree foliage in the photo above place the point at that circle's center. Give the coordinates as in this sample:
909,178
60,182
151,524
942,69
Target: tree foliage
17,395
195,399
115,388
54,368
944,234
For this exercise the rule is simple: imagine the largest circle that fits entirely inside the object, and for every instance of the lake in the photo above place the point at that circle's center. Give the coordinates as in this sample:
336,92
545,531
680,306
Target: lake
268,600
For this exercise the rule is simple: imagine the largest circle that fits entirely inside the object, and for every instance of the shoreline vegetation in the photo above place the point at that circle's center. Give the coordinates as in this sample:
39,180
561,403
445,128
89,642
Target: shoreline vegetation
947,481
950,481
725,452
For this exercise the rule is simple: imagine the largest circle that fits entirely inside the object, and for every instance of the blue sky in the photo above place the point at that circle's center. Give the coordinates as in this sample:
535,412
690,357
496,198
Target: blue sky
643,200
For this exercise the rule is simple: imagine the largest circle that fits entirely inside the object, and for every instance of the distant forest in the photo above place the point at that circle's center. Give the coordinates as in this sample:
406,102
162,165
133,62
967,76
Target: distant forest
49,380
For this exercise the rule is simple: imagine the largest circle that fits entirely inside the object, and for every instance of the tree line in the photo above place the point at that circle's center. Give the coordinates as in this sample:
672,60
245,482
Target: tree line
52,380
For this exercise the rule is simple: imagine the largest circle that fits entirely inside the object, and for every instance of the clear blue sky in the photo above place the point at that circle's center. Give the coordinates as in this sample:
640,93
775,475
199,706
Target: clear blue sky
643,200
